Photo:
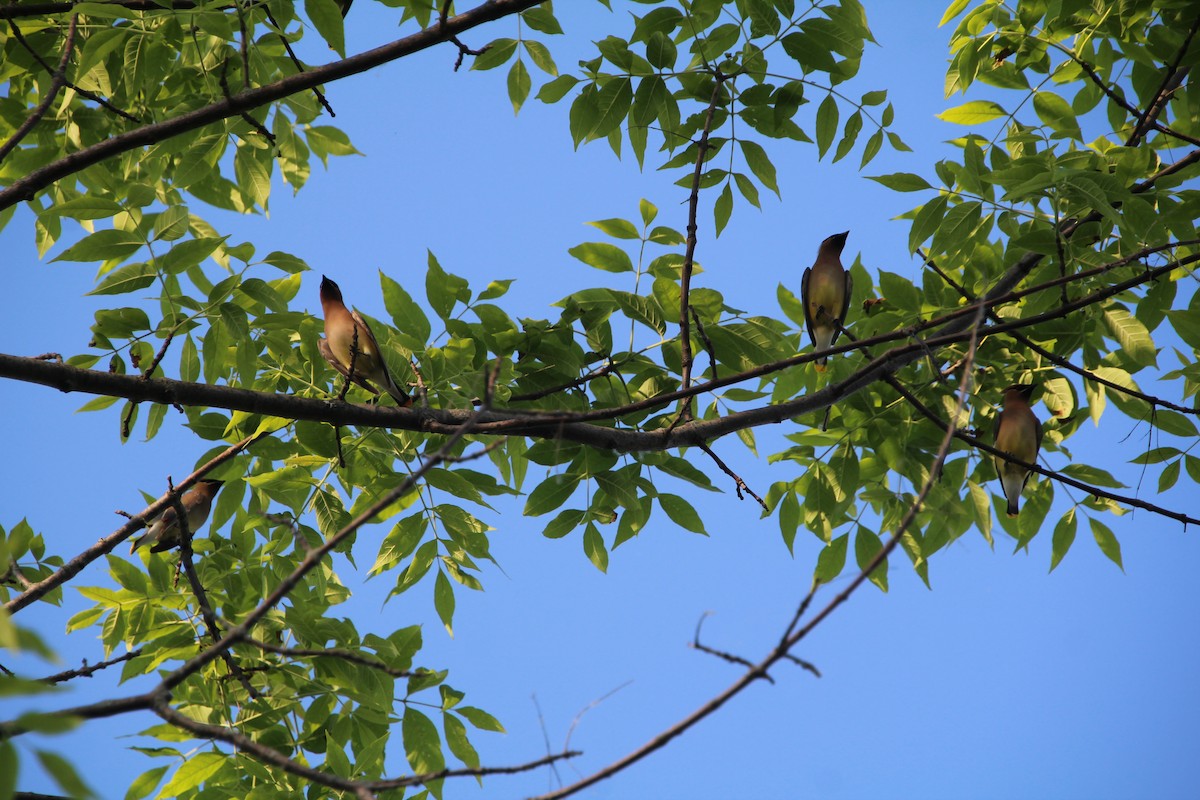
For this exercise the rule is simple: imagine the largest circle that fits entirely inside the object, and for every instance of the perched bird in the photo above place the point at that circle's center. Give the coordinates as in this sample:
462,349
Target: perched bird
825,292
341,325
1019,434
164,532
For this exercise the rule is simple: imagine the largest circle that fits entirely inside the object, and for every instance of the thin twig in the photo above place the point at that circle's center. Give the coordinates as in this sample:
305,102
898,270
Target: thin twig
95,98
598,372
708,345
56,84
330,652
781,650
696,644
287,45
254,124
739,484
136,523
87,670
189,570
689,256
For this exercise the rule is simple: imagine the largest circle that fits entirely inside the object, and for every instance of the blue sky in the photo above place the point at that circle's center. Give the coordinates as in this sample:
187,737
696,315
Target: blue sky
1002,681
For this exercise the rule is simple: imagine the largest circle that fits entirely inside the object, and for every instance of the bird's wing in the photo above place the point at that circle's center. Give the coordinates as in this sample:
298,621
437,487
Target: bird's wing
841,318
389,384
808,320
370,345
327,354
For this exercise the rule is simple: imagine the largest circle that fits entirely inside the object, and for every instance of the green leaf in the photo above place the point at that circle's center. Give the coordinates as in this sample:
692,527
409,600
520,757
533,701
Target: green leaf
1092,475
723,208
540,56
408,317
617,228
593,546
550,494
602,255
563,523
8,769
481,719
456,740
1107,541
1064,535
973,113
171,224
557,89
832,560
1132,335
827,124
866,546
927,221
518,85
326,16
953,10
102,246
129,278
760,164
422,746
64,774
541,18
443,601
902,181
498,52
1169,476
194,771
1056,112
681,513
144,784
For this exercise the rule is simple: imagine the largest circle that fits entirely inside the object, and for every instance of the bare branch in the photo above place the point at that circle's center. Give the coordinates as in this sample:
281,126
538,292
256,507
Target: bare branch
738,484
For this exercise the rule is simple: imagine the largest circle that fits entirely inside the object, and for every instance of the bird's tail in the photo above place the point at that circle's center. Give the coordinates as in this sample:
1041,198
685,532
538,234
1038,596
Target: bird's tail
402,398
1012,485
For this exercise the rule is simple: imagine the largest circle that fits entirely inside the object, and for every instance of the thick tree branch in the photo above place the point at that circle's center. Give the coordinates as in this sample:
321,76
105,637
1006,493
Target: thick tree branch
28,186
574,427
19,10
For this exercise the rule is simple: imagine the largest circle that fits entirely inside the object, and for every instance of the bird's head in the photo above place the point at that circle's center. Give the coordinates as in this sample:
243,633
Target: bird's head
832,246
1021,391
330,291
211,484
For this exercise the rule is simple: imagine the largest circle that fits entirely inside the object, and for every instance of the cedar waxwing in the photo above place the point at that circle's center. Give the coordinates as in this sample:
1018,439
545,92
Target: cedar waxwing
825,292
164,532
1019,434
340,325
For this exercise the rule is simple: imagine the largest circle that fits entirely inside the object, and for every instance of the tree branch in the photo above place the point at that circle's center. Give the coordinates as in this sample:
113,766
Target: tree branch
689,256
136,523
28,186
781,651
56,84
